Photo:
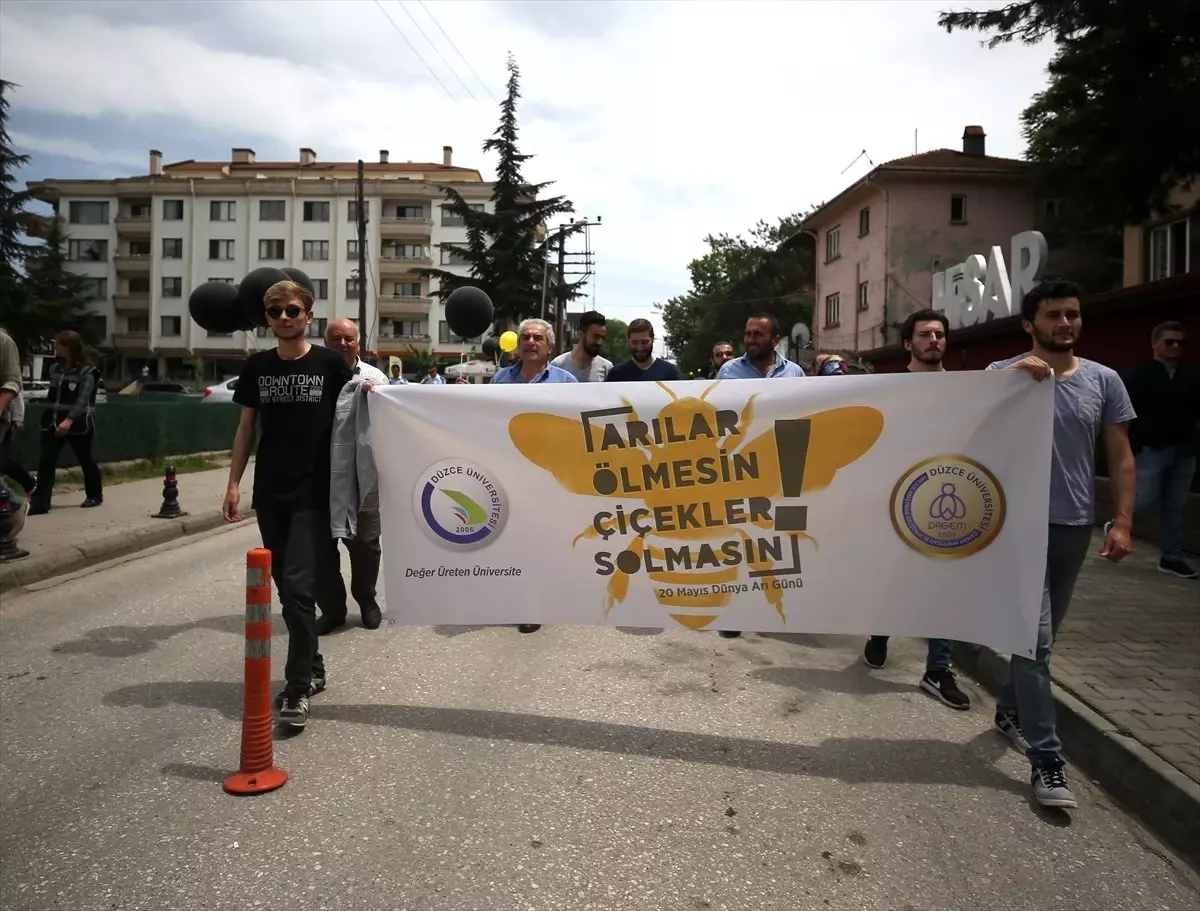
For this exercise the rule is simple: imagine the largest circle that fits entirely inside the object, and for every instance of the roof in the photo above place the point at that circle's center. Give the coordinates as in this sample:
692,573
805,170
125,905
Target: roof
370,167
951,161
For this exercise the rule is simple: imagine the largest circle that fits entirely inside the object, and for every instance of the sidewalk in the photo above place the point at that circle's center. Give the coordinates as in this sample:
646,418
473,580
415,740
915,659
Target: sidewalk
68,539
1127,672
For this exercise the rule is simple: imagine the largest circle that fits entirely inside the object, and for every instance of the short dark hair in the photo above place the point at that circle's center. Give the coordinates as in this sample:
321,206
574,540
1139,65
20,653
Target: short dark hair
1055,289
1156,333
717,345
922,316
589,319
771,321
640,325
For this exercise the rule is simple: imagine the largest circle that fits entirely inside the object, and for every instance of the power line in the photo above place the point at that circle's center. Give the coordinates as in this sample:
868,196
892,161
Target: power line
455,46
436,51
415,51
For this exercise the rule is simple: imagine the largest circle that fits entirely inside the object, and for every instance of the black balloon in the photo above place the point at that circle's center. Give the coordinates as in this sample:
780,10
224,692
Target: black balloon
214,307
491,348
252,290
300,279
468,312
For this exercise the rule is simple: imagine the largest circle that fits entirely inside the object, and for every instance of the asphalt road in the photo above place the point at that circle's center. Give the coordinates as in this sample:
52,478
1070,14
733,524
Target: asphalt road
462,768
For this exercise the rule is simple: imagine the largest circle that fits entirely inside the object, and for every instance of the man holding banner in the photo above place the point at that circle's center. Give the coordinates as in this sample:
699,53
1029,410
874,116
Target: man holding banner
1088,398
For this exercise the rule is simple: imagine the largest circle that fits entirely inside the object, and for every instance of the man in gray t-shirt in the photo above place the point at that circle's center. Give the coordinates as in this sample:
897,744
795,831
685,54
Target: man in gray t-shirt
584,361
1089,398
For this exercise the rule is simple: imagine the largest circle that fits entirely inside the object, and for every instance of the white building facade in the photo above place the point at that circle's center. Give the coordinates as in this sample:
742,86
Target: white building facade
145,243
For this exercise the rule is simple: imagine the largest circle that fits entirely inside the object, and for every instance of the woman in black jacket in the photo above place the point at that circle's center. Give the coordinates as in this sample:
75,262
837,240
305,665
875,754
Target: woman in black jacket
70,416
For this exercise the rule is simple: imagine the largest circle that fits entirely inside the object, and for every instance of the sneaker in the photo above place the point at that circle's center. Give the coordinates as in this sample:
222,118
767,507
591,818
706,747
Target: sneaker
875,652
729,633
327,623
372,617
528,627
939,682
316,686
92,503
1050,786
1007,726
1176,568
294,712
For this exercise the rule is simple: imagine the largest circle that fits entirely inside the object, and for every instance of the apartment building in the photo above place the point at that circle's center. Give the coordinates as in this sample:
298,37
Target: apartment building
144,243
1168,244
880,240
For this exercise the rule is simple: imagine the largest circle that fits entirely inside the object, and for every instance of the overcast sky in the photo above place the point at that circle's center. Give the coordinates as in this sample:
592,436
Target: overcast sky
671,120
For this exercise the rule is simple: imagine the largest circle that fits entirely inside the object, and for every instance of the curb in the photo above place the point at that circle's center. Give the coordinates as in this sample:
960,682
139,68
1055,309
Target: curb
1147,785
30,570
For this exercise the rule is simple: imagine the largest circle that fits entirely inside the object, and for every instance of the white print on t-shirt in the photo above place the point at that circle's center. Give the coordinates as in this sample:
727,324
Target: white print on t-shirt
290,388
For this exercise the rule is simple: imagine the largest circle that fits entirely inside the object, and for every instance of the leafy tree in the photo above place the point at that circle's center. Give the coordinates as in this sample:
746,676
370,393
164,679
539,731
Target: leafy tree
1109,133
616,341
13,249
57,296
418,360
770,270
507,248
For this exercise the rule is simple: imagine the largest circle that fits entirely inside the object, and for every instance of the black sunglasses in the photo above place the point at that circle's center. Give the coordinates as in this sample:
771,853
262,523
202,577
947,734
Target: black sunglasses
292,312
1173,342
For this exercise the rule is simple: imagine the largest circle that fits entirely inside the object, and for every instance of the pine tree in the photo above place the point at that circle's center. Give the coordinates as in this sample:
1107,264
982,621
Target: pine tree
14,251
58,295
507,248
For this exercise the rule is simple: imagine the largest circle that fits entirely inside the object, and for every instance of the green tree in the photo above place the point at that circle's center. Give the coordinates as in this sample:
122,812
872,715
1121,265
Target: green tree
770,270
57,297
14,250
616,341
1109,133
507,248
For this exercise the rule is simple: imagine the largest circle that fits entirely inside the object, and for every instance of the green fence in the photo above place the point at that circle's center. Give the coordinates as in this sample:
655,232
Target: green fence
140,430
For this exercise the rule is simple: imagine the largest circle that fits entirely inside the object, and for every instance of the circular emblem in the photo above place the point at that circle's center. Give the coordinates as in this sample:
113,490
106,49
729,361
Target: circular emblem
948,506
460,506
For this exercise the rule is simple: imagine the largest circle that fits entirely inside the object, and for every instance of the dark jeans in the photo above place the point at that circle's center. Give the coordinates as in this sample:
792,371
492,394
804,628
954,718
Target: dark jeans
81,445
364,565
937,658
303,561
14,470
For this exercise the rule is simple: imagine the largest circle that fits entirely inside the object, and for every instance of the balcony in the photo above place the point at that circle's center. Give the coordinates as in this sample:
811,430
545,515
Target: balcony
404,305
135,224
132,263
403,342
392,265
132,302
392,226
131,341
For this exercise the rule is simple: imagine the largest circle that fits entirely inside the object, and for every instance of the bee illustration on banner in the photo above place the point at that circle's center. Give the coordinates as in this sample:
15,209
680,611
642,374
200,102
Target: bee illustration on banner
704,493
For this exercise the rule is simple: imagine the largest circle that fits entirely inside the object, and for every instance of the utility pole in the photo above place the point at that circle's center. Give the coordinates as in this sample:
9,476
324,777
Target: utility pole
361,206
560,288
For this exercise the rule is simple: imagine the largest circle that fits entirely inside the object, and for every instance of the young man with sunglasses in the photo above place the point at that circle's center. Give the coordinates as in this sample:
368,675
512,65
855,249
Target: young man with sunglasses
291,390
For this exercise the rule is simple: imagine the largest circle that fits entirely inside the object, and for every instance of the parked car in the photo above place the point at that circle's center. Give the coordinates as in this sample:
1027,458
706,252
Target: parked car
221,392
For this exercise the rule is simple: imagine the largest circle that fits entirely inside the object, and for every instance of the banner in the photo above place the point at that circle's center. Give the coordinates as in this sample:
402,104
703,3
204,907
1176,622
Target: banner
911,505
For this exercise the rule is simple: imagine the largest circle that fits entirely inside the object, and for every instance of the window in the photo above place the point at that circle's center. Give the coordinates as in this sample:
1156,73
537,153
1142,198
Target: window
172,210
262,331
316,211
212,334
228,281
407,328
170,325
222,211
1170,250
316,329
139,210
411,213
406,289
864,222
958,210
172,287
139,248
352,210
220,249
352,287
352,249
172,248
833,308
137,323
94,289
450,220
404,251
316,250
87,251
270,249
139,285
862,296
833,243
1053,209
272,209
320,289
88,213
451,256
445,337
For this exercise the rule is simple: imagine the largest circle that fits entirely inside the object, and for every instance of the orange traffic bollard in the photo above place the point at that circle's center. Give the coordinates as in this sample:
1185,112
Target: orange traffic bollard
257,773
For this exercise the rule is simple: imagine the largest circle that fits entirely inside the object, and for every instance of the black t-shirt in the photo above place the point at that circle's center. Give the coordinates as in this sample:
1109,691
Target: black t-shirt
631,372
295,401
1168,407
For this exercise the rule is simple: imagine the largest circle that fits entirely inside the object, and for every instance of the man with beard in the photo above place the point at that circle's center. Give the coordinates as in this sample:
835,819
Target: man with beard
583,361
924,335
761,361
1088,398
292,391
643,365
721,352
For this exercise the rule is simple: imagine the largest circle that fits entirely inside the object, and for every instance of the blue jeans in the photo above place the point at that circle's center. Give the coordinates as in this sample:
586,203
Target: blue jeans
1027,693
1165,476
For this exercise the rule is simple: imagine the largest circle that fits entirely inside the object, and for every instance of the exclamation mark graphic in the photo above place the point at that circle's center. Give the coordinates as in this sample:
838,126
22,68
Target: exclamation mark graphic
791,445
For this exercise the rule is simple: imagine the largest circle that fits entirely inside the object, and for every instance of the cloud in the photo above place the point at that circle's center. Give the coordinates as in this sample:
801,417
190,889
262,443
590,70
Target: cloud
670,120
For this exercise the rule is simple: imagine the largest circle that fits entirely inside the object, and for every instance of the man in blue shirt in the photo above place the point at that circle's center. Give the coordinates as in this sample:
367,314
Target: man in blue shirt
643,365
761,361
433,378
1088,398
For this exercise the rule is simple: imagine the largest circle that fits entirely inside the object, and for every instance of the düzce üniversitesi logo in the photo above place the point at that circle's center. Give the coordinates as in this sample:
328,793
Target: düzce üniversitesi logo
461,507
948,506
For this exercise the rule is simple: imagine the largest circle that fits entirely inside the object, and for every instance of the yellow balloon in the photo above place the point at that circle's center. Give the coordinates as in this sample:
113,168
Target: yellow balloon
508,341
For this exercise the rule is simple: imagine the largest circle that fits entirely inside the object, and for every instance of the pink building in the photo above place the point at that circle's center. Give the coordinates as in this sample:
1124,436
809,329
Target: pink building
880,240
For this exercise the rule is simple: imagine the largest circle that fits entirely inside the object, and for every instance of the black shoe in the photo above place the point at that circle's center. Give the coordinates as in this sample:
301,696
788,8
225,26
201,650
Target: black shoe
372,617
939,682
37,510
1050,786
327,623
729,633
875,652
294,712
316,686
1176,568
91,503
528,627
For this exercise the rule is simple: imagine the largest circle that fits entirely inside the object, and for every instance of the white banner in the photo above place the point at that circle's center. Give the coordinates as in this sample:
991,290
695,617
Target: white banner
911,505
